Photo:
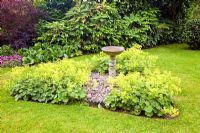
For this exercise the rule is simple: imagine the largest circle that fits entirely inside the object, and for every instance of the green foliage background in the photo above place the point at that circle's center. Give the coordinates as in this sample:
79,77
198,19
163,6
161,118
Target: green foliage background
73,28
193,33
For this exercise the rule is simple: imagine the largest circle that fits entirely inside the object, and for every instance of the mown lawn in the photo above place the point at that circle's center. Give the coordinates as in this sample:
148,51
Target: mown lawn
25,117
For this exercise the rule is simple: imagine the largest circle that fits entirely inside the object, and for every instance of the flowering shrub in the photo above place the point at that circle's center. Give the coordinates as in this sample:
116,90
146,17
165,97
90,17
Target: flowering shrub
150,93
60,82
17,21
10,61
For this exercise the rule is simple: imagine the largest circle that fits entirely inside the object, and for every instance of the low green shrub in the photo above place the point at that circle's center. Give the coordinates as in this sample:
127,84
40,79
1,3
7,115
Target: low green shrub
193,33
45,53
131,60
150,94
100,63
6,50
60,82
135,60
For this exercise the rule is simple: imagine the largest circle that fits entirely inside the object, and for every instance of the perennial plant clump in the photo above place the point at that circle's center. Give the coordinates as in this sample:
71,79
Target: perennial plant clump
135,60
6,50
10,61
150,93
60,82
8,57
42,52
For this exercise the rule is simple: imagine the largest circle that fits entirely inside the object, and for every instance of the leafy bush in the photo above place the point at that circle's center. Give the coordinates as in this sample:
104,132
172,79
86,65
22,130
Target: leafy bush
127,7
171,34
134,59
131,60
6,50
42,52
55,9
60,82
17,20
86,28
100,63
193,33
172,10
143,28
52,33
150,93
90,26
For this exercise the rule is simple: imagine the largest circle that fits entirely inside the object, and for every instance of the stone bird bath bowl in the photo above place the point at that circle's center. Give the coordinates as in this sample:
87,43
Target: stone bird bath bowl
112,51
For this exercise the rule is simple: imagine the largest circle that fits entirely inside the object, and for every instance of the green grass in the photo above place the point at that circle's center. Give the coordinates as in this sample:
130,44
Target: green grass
23,117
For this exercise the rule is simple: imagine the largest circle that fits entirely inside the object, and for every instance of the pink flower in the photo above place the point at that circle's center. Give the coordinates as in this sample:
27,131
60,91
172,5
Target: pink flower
10,60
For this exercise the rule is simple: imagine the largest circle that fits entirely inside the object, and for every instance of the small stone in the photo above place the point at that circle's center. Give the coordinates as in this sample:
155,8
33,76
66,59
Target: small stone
89,96
97,94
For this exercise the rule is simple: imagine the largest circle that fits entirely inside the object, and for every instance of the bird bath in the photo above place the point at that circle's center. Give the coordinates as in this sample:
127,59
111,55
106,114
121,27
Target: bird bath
112,51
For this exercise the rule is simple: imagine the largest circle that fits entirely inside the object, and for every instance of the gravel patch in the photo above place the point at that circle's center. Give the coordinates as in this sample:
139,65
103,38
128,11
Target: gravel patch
97,89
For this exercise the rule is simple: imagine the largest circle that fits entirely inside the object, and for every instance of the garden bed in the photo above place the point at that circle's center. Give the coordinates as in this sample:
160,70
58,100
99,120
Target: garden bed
138,88
24,116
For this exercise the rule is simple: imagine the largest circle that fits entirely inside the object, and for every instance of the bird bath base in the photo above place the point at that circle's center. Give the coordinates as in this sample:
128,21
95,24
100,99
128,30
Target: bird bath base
112,51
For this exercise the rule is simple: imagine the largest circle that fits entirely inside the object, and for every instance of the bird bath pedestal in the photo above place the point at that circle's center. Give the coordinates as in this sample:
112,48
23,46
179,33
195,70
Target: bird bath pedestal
112,51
